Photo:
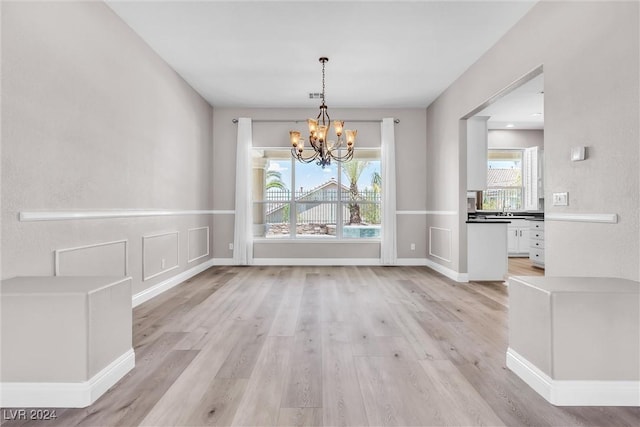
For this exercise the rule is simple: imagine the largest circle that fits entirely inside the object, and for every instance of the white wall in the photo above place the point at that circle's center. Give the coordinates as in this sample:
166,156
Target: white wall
519,138
590,54
93,119
411,176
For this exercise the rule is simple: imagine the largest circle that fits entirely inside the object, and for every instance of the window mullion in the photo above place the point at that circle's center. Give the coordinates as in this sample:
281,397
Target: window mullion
339,220
292,202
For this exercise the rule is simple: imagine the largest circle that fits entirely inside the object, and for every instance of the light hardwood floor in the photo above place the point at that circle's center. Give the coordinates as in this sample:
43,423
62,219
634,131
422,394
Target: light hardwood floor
522,267
326,346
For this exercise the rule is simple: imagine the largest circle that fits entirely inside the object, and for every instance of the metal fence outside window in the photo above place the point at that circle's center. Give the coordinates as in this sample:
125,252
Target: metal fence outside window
319,208
502,199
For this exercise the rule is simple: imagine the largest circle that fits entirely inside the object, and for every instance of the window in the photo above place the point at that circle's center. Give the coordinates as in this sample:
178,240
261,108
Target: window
504,181
303,200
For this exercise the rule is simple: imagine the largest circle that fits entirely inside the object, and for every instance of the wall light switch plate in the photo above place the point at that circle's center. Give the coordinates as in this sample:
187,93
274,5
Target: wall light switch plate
560,199
577,154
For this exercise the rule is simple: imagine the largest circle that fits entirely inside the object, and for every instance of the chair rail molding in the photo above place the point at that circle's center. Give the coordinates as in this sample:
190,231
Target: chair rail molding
608,218
26,216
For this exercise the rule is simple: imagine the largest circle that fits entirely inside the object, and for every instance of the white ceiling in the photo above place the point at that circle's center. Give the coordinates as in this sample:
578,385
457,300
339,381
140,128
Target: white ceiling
522,108
265,53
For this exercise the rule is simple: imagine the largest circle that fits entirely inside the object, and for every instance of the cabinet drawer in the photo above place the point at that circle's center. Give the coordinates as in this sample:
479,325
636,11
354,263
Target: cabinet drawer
536,225
536,254
536,244
536,234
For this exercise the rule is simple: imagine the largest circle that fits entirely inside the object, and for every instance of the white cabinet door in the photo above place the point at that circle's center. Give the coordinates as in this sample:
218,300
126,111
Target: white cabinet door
512,240
518,238
523,241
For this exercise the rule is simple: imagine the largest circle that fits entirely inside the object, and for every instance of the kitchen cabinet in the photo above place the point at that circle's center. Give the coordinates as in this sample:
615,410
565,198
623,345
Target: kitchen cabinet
477,146
487,250
518,238
536,243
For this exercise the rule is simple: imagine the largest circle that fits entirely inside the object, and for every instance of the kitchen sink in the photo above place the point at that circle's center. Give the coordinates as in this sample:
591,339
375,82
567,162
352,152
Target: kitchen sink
508,217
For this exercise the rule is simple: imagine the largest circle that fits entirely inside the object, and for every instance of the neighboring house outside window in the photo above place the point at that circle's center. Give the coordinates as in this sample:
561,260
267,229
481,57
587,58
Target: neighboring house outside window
504,181
303,200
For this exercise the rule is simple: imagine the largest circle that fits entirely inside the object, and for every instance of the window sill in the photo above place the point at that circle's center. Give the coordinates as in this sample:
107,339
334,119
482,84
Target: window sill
312,240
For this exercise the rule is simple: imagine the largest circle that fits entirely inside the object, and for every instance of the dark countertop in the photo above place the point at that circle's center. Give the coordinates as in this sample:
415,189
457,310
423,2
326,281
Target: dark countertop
514,213
510,216
487,221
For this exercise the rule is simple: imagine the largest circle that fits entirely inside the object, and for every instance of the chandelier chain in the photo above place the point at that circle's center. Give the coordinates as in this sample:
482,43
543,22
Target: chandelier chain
323,97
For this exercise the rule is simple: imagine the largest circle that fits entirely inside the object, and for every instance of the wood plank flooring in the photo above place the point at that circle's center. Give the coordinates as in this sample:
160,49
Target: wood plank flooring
326,346
519,266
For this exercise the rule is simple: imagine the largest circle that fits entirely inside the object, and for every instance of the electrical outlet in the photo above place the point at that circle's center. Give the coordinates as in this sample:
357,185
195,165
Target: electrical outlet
413,246
560,199
230,246
163,263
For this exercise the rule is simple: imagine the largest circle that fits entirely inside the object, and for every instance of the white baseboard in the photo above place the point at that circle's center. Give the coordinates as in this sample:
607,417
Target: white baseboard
411,261
336,261
459,277
451,274
222,261
161,287
316,261
574,393
66,395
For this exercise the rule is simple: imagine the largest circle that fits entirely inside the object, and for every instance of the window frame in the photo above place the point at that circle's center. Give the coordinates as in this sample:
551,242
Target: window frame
341,204
520,188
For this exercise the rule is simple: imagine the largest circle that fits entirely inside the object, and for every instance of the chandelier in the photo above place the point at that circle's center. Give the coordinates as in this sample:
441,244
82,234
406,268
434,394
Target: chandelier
324,150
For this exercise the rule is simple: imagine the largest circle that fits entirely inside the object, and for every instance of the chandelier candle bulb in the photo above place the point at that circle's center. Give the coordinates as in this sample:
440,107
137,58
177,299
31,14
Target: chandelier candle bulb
351,137
295,138
337,126
322,133
313,126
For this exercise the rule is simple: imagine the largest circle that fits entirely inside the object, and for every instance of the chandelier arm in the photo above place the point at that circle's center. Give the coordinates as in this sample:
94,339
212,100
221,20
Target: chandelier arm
348,156
303,159
314,144
323,115
309,160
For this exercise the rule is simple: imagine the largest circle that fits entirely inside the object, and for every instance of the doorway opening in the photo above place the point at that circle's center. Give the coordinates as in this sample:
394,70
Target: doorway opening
505,166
